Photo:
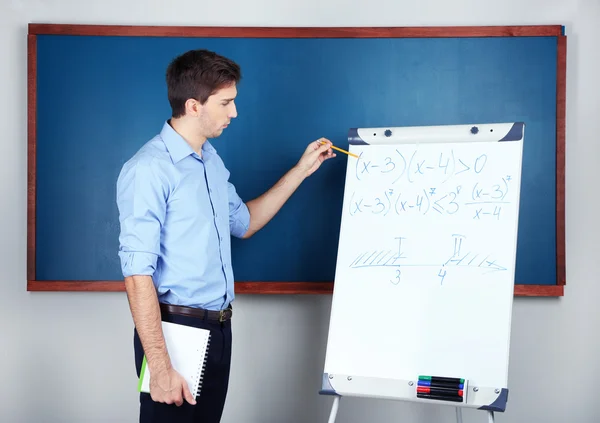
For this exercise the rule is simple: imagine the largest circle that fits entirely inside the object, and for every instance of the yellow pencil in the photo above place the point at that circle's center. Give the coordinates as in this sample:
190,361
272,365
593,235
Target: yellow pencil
343,151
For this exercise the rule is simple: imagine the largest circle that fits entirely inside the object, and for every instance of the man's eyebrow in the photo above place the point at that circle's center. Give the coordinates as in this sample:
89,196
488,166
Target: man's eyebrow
228,99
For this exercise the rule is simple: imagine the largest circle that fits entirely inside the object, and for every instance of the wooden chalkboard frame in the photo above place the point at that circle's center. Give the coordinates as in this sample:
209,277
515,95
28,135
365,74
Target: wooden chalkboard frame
325,287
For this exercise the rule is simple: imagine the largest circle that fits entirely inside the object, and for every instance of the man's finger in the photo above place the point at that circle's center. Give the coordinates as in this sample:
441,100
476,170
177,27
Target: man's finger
188,395
322,146
178,400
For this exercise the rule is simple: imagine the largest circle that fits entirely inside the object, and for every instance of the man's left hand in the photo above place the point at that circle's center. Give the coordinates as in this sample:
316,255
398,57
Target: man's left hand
316,153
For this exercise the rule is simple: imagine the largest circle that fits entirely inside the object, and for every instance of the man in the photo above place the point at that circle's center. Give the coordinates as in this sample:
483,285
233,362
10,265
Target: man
177,211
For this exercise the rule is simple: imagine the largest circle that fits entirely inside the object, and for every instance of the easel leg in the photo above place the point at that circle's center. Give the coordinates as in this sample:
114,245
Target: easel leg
334,409
458,415
490,416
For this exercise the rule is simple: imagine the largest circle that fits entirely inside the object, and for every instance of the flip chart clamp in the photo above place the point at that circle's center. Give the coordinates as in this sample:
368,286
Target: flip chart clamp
425,388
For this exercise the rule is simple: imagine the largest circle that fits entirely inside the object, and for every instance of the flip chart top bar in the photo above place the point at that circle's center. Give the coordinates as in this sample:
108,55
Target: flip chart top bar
492,132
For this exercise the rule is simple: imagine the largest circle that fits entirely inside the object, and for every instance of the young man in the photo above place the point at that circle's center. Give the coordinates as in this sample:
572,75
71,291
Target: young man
177,211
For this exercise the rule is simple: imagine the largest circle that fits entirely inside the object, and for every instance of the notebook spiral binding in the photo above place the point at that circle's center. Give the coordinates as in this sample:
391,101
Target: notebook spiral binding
200,374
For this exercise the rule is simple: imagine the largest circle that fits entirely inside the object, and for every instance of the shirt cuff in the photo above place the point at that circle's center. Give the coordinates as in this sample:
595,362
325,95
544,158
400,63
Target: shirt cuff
137,263
240,221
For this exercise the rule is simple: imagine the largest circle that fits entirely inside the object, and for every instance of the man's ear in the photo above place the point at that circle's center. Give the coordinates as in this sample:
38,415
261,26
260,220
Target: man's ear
193,107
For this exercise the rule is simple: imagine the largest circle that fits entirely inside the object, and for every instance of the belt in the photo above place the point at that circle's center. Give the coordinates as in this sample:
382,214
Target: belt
220,315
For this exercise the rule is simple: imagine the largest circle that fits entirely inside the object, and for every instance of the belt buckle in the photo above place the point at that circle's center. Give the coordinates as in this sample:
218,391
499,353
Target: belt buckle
222,316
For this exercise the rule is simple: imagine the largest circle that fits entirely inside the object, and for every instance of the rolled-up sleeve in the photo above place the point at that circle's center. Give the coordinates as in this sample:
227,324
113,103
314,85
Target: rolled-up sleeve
141,200
239,215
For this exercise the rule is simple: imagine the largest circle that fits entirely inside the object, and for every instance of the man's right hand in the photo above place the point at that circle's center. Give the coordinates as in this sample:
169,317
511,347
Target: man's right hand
170,387
166,385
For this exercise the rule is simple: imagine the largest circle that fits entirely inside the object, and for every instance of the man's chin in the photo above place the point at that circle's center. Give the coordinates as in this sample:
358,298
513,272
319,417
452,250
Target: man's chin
216,133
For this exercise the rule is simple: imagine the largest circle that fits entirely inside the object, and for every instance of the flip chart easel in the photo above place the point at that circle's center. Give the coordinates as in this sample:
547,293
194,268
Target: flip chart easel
423,292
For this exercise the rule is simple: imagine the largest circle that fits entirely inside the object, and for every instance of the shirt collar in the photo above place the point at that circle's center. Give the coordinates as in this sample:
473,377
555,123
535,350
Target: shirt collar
178,147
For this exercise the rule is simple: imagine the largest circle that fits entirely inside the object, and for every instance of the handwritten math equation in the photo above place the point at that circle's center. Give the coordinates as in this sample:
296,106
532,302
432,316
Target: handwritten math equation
415,166
397,259
478,200
461,182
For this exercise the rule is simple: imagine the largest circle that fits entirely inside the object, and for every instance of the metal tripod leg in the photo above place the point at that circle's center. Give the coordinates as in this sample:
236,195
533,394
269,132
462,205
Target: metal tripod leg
334,409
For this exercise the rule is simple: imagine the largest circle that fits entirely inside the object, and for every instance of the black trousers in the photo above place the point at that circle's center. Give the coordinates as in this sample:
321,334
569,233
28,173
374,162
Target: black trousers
210,402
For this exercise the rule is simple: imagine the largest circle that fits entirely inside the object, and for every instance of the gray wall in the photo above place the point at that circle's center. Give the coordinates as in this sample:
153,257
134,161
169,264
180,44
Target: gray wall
52,368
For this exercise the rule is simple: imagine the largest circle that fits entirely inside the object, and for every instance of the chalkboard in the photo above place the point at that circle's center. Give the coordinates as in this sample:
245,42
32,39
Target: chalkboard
97,93
428,235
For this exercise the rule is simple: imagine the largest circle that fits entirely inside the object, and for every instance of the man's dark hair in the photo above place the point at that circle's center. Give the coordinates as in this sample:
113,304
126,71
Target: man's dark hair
198,74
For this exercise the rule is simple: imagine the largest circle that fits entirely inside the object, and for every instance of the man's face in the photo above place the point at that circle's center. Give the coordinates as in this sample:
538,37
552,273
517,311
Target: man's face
217,112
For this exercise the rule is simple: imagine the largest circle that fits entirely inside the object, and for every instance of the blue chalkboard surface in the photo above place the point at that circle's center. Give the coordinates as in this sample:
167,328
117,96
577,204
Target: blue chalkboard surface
101,97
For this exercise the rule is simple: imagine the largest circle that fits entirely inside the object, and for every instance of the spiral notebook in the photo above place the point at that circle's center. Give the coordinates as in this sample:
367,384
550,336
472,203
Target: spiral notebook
187,347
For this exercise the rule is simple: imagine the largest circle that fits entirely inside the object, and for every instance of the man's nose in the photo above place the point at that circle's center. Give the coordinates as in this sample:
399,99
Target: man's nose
233,111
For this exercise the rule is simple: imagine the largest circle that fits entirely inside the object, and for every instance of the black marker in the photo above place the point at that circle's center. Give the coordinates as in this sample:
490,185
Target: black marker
440,397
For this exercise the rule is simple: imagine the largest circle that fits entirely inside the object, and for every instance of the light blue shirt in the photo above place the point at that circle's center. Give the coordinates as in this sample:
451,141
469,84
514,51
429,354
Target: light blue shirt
177,212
